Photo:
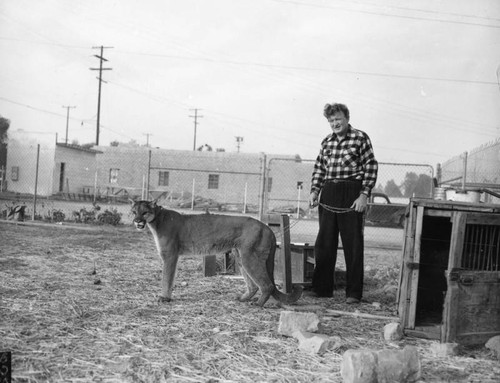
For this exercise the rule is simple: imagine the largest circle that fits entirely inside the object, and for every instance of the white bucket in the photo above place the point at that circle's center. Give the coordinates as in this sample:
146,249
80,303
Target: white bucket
439,193
463,195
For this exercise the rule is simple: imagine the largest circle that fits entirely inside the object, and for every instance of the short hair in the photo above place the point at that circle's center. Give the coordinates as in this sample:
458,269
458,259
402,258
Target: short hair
331,109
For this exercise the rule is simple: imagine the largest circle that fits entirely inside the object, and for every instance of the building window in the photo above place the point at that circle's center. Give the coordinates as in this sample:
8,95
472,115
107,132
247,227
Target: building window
163,178
14,174
213,181
113,176
269,184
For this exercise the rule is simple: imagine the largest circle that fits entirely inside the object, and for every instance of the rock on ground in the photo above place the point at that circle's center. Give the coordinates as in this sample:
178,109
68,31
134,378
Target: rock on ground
316,343
359,366
383,366
398,365
291,322
444,349
494,345
393,332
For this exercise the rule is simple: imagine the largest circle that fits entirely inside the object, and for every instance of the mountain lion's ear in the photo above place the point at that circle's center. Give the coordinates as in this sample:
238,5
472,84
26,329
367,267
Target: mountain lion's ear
153,202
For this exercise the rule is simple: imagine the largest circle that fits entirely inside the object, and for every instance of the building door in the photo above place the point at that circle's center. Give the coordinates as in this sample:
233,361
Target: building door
62,176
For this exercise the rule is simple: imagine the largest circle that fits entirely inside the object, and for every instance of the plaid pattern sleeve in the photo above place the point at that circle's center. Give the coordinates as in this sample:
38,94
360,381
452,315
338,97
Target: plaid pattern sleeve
349,158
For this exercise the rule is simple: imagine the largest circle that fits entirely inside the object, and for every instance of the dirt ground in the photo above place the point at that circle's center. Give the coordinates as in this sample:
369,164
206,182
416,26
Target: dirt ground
79,304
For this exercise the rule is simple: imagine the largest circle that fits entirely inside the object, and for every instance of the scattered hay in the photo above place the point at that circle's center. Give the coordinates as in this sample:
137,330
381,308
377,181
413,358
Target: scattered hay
61,325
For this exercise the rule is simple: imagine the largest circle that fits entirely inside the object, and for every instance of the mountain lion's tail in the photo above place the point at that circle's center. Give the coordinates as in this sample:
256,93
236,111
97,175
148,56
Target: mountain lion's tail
296,293
293,297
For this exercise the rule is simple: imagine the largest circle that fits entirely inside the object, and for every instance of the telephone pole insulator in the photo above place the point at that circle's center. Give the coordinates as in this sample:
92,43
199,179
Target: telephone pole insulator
239,140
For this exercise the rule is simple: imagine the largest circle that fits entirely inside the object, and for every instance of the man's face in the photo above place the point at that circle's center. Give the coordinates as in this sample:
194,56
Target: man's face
339,123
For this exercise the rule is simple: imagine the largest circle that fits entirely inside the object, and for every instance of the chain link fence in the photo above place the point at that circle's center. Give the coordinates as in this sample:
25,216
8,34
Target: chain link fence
288,183
59,182
56,182
478,170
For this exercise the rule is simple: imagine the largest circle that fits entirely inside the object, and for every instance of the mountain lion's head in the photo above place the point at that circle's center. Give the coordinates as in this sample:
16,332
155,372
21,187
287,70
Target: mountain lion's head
144,212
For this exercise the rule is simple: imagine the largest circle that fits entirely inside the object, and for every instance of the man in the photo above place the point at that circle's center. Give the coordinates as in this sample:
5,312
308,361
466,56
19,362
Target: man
344,174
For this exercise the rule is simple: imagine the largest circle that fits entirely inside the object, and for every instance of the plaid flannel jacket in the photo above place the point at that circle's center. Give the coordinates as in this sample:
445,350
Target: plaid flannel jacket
351,158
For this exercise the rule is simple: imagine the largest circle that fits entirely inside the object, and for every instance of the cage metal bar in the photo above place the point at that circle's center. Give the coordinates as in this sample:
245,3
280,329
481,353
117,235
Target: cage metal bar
497,260
476,245
481,248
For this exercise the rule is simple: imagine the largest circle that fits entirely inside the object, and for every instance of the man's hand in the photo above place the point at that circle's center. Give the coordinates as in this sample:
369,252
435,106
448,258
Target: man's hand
313,199
360,203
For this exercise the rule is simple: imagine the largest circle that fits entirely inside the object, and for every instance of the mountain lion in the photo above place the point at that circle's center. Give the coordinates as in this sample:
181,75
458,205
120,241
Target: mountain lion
177,234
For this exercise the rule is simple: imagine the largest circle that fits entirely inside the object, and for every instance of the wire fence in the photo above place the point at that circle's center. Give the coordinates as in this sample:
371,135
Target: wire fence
58,182
477,170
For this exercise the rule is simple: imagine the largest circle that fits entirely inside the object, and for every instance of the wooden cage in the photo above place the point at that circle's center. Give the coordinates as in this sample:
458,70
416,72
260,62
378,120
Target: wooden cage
450,275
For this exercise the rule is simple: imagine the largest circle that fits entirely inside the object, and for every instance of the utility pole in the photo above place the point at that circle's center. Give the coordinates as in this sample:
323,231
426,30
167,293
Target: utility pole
68,107
100,69
147,138
196,116
239,140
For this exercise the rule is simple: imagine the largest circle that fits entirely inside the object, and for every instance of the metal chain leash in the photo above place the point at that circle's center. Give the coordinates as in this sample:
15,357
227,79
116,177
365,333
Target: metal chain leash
334,209
278,233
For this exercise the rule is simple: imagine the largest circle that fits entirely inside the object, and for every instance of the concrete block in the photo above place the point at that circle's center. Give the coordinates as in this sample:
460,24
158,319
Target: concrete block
393,332
359,366
444,349
494,345
398,365
291,322
316,343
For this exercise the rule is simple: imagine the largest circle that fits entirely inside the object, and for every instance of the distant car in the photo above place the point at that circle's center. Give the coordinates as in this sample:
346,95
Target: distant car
290,210
240,208
382,212
201,203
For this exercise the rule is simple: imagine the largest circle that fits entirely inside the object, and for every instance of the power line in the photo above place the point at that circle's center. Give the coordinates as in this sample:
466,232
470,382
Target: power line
32,107
302,68
398,109
433,12
454,14
61,115
277,66
386,14
50,43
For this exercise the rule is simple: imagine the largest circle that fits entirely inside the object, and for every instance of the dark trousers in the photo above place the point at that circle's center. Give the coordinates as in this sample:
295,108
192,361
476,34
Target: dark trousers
350,227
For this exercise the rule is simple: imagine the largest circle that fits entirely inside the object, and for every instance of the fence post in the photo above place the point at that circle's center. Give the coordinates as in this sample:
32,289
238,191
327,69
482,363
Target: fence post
263,186
143,187
149,171
36,181
192,195
95,187
2,172
299,186
464,177
245,199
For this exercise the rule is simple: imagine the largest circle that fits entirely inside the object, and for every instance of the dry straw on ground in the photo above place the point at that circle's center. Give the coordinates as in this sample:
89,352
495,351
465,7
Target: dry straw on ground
79,305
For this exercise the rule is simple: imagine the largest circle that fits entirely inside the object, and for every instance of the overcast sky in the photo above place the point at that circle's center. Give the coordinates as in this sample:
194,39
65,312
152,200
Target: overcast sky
420,77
